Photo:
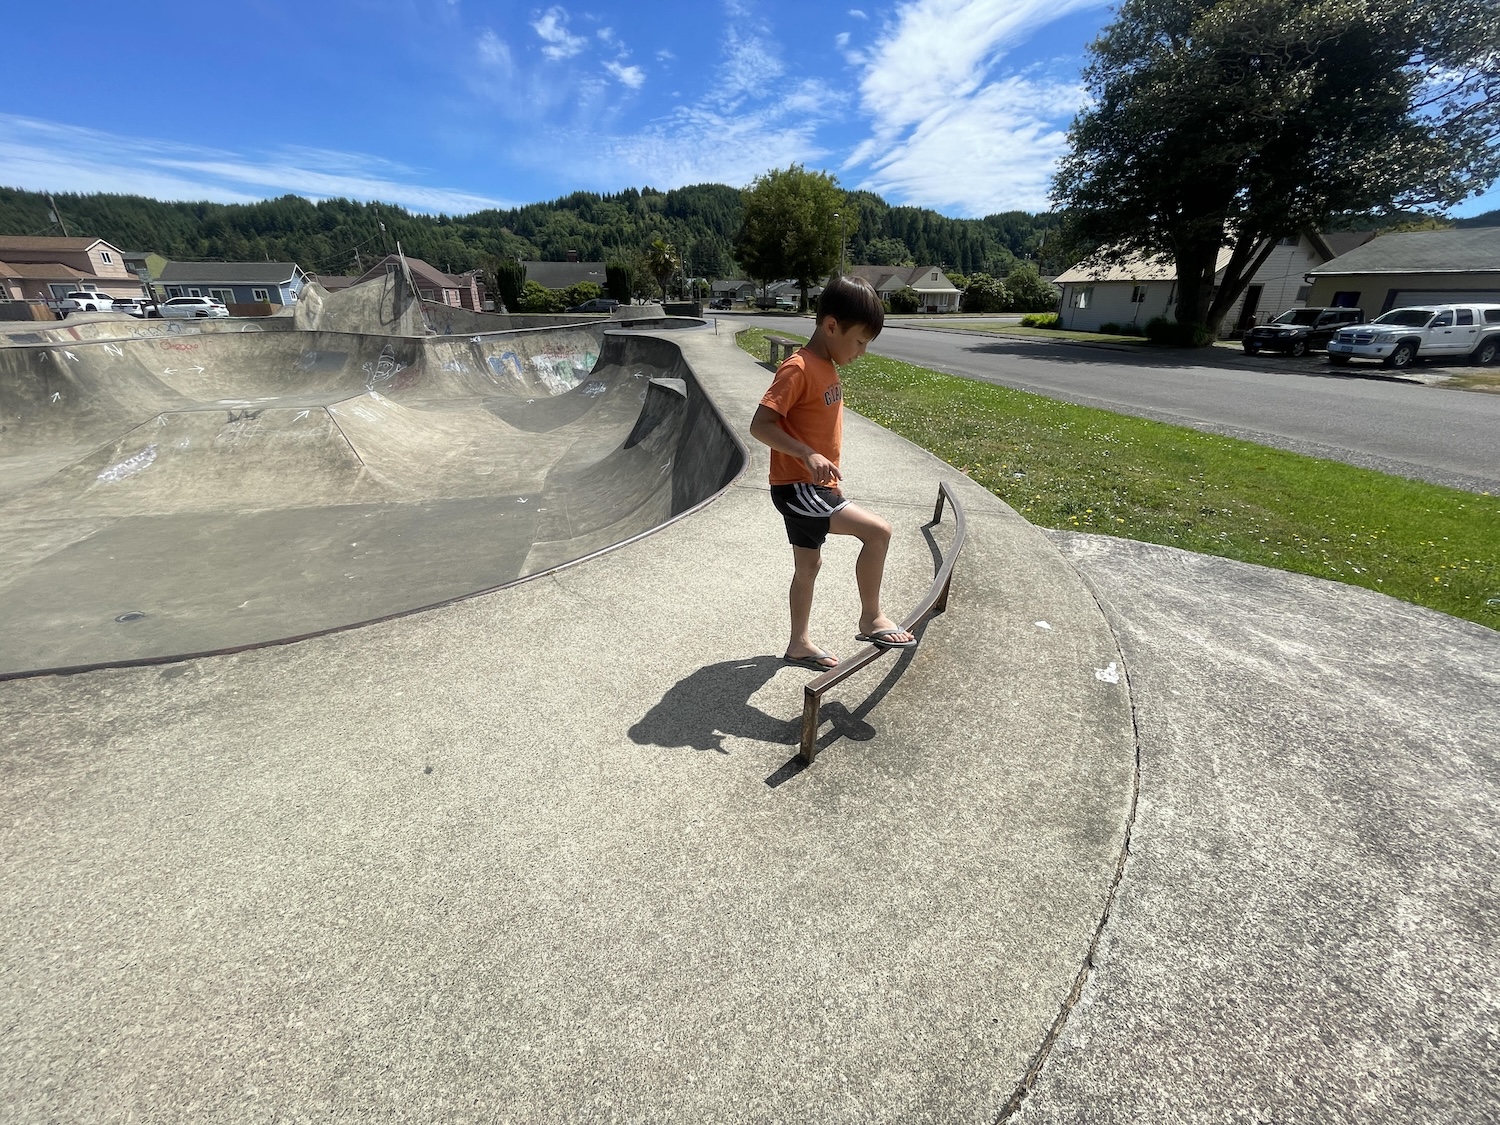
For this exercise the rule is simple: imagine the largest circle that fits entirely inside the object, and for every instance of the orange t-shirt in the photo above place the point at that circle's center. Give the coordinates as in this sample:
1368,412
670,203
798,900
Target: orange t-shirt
807,394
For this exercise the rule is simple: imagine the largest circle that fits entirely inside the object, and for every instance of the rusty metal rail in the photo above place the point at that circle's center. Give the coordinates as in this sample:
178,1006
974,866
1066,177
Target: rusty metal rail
936,601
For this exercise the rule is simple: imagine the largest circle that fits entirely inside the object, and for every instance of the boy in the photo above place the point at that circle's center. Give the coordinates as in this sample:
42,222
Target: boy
802,419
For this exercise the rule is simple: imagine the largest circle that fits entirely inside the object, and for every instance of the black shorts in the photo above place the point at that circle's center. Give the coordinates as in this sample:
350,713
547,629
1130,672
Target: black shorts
806,509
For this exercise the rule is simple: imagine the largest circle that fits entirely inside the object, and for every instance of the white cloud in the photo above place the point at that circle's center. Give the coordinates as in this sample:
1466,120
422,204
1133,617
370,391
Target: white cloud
495,52
995,151
632,76
991,142
552,27
48,156
665,55
857,14
841,40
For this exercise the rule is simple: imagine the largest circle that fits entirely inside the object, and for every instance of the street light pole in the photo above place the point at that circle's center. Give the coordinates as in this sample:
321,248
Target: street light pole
840,218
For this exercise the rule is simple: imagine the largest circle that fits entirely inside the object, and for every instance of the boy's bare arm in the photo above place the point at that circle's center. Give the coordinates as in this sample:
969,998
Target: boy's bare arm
766,427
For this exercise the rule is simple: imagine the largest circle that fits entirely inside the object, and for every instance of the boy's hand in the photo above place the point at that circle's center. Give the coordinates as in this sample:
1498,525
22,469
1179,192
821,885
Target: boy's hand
824,471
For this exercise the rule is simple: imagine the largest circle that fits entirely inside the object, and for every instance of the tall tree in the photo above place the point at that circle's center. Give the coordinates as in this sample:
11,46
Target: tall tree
790,228
662,261
1229,124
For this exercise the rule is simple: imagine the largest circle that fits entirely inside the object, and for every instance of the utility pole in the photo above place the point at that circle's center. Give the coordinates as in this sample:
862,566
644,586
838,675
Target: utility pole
56,215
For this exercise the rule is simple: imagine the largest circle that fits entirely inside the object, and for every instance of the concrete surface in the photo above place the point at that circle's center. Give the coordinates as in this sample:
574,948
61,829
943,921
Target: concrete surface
1132,836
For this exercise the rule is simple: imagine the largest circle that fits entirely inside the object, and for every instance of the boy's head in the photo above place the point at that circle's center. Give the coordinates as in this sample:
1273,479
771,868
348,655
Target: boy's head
852,301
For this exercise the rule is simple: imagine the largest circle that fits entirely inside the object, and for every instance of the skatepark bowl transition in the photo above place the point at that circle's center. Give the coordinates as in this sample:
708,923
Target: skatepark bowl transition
395,729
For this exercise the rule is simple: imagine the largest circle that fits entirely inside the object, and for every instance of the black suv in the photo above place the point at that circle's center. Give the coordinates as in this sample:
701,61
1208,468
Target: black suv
1298,331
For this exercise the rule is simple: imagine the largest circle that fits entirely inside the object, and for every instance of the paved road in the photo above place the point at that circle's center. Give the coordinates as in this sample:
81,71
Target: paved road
1399,426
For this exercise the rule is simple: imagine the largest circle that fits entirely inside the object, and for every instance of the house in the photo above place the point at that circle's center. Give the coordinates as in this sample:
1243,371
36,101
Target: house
461,291
1412,268
561,275
1141,289
934,290
44,268
235,283
332,282
735,288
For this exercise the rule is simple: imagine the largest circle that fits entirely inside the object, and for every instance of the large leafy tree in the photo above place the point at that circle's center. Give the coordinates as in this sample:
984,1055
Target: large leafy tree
790,228
1229,124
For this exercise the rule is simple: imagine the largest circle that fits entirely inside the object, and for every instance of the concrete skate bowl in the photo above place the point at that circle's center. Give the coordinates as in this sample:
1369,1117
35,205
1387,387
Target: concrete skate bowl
169,497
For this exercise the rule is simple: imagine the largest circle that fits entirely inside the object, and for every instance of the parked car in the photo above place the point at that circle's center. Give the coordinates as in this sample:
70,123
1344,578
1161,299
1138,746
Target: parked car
132,305
721,303
1298,331
85,300
193,306
1401,337
597,305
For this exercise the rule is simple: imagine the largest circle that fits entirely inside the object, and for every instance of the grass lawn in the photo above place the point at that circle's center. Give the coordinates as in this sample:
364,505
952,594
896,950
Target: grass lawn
1042,333
1078,468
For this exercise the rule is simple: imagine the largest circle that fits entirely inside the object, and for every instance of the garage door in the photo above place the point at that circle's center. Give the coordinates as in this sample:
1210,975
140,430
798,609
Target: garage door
1401,298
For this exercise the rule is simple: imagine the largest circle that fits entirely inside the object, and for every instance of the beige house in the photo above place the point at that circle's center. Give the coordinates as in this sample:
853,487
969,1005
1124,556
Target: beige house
933,288
39,268
1141,289
1423,267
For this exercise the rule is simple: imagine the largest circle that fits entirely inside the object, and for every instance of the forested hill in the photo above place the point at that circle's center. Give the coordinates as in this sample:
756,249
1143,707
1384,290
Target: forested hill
337,235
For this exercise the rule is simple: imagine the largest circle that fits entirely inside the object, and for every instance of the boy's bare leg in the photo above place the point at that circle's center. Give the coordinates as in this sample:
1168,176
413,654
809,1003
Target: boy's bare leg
874,535
806,562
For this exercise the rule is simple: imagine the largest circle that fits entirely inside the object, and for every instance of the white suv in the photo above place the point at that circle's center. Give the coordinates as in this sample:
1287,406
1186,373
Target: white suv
1398,338
193,306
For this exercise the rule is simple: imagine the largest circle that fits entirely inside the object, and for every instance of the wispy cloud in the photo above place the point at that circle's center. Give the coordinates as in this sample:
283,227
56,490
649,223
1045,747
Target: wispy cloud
632,76
552,27
992,140
44,155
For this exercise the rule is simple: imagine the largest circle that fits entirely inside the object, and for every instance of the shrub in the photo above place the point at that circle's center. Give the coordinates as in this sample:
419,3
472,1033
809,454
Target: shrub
1041,320
617,281
1132,330
577,294
1025,290
1169,333
536,299
510,278
984,294
905,300
1110,327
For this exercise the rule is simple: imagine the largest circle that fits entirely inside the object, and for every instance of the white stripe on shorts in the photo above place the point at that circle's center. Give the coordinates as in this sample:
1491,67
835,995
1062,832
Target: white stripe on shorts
810,504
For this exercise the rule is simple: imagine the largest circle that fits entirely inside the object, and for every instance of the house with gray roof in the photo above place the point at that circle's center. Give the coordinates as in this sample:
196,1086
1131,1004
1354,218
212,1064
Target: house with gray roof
235,283
1419,267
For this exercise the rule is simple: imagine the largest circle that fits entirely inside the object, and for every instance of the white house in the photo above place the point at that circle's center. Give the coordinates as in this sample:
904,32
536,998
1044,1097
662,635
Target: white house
1140,289
934,290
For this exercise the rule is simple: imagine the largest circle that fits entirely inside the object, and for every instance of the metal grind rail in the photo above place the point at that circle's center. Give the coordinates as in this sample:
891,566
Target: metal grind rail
936,601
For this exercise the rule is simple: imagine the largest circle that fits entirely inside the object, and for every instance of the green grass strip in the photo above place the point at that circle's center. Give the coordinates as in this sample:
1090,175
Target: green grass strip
1084,469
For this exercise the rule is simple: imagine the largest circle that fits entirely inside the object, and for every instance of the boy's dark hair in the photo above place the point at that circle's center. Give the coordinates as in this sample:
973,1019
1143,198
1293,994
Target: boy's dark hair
852,300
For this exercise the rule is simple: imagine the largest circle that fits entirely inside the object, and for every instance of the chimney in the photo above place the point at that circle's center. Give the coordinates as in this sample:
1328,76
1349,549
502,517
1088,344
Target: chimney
572,255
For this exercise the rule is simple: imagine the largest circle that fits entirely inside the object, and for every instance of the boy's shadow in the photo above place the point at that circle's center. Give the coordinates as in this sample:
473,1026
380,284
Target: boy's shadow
701,710
713,703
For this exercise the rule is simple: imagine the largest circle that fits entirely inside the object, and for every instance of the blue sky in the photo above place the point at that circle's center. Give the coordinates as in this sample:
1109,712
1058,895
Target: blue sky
457,105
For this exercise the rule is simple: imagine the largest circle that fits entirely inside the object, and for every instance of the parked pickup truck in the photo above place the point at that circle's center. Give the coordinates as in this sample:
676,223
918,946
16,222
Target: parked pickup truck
1402,336
85,300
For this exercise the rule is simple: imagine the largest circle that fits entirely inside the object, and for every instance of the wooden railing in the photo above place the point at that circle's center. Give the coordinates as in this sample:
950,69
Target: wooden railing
936,601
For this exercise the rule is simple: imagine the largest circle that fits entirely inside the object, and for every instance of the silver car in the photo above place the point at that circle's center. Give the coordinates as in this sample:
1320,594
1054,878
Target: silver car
193,306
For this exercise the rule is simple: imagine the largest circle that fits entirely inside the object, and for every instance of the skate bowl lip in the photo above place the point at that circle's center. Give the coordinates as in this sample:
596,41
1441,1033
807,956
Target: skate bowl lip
150,660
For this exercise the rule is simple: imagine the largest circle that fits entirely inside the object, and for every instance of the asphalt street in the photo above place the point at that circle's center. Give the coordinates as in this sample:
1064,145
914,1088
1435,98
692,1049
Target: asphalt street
1406,426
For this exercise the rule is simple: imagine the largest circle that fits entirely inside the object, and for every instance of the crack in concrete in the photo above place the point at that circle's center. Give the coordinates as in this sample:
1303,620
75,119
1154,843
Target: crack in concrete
1085,971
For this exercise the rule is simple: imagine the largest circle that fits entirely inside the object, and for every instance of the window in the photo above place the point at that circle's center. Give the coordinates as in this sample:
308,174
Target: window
226,296
1492,316
934,275
194,292
1466,316
1442,320
1138,295
261,295
104,257
1346,299
174,291
1081,296
1303,292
